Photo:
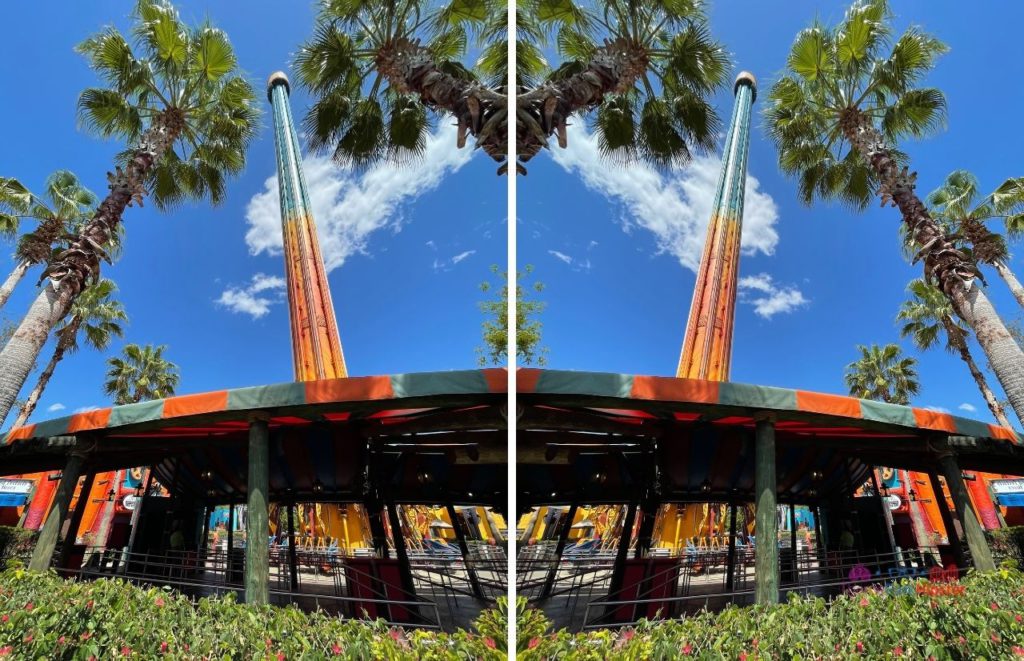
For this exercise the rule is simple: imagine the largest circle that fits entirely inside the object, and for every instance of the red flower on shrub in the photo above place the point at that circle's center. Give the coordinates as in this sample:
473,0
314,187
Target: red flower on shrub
27,639
336,649
994,606
163,647
86,636
89,604
1018,650
687,649
29,606
743,656
1016,617
860,647
395,635
936,635
5,617
269,643
126,651
897,651
533,643
159,602
864,601
280,656
628,634
60,641
4,651
994,637
490,643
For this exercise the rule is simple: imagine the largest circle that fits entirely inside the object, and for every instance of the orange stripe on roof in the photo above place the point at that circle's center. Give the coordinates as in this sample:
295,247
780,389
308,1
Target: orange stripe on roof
89,420
526,379
675,390
934,420
21,433
1002,433
497,379
349,390
816,402
207,402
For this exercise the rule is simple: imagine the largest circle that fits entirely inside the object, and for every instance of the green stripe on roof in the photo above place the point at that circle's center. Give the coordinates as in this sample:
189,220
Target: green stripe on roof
55,427
132,413
741,394
971,427
255,397
456,382
886,412
602,384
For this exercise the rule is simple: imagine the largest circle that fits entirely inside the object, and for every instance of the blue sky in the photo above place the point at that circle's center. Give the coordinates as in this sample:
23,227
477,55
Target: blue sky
403,300
618,293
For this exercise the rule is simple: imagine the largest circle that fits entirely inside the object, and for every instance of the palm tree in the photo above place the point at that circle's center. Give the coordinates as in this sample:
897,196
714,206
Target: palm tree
850,93
650,80
66,204
956,202
373,79
95,314
882,373
141,375
927,315
176,98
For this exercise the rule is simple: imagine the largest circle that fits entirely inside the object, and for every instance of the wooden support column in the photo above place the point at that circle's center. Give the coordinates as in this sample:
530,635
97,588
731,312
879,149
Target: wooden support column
947,522
205,543
766,545
619,569
460,535
230,542
293,563
377,532
137,514
730,576
47,542
398,535
257,546
76,520
980,553
645,534
563,536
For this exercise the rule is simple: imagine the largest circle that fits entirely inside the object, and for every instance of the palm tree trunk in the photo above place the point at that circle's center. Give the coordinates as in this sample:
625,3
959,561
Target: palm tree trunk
943,263
12,281
72,270
44,379
1004,272
979,378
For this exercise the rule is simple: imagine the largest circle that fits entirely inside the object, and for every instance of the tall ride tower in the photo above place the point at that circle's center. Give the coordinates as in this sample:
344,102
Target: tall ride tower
707,347
316,348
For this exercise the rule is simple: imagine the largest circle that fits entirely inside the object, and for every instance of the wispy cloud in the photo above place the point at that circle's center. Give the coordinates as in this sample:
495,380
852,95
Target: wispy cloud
576,263
970,408
350,207
449,264
86,409
254,299
55,407
768,297
674,208
937,409
561,256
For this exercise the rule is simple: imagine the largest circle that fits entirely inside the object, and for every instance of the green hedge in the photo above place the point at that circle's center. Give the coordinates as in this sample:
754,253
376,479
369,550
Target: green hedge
45,617
1007,544
15,543
981,617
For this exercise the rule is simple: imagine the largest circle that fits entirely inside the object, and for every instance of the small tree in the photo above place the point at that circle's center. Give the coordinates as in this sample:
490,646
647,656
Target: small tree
528,327
142,374
883,374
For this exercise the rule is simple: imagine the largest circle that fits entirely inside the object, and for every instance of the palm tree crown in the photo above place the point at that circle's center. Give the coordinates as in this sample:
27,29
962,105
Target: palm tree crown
95,314
882,373
649,80
929,315
959,203
66,203
141,375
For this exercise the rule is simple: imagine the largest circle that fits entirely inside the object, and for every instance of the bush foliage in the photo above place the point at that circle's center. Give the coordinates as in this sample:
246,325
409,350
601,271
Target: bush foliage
45,617
981,617
1007,544
15,544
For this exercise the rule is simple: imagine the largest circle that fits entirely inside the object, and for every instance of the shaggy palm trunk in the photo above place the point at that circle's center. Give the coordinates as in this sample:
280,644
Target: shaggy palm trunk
44,379
979,378
73,269
12,281
954,273
1004,272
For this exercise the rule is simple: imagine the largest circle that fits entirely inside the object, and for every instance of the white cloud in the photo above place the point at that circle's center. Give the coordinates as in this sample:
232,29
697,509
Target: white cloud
348,208
561,255
246,300
449,264
970,408
462,255
55,407
768,297
86,409
937,409
675,208
575,263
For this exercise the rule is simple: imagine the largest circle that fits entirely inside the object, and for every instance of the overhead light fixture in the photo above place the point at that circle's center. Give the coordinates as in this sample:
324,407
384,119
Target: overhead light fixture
206,475
816,475
705,486
317,486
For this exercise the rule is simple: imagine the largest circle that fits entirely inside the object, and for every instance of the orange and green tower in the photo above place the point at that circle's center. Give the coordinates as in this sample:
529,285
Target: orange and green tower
316,347
707,347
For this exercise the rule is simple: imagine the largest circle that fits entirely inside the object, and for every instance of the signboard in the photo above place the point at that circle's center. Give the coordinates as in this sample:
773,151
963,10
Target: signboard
130,502
14,493
894,502
1009,493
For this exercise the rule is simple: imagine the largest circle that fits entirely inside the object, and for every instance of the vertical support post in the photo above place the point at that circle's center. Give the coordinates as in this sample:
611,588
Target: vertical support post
563,536
380,541
257,546
947,522
231,532
645,534
730,576
460,535
47,542
205,544
293,563
404,568
137,514
980,553
619,569
76,520
886,513
995,504
766,545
